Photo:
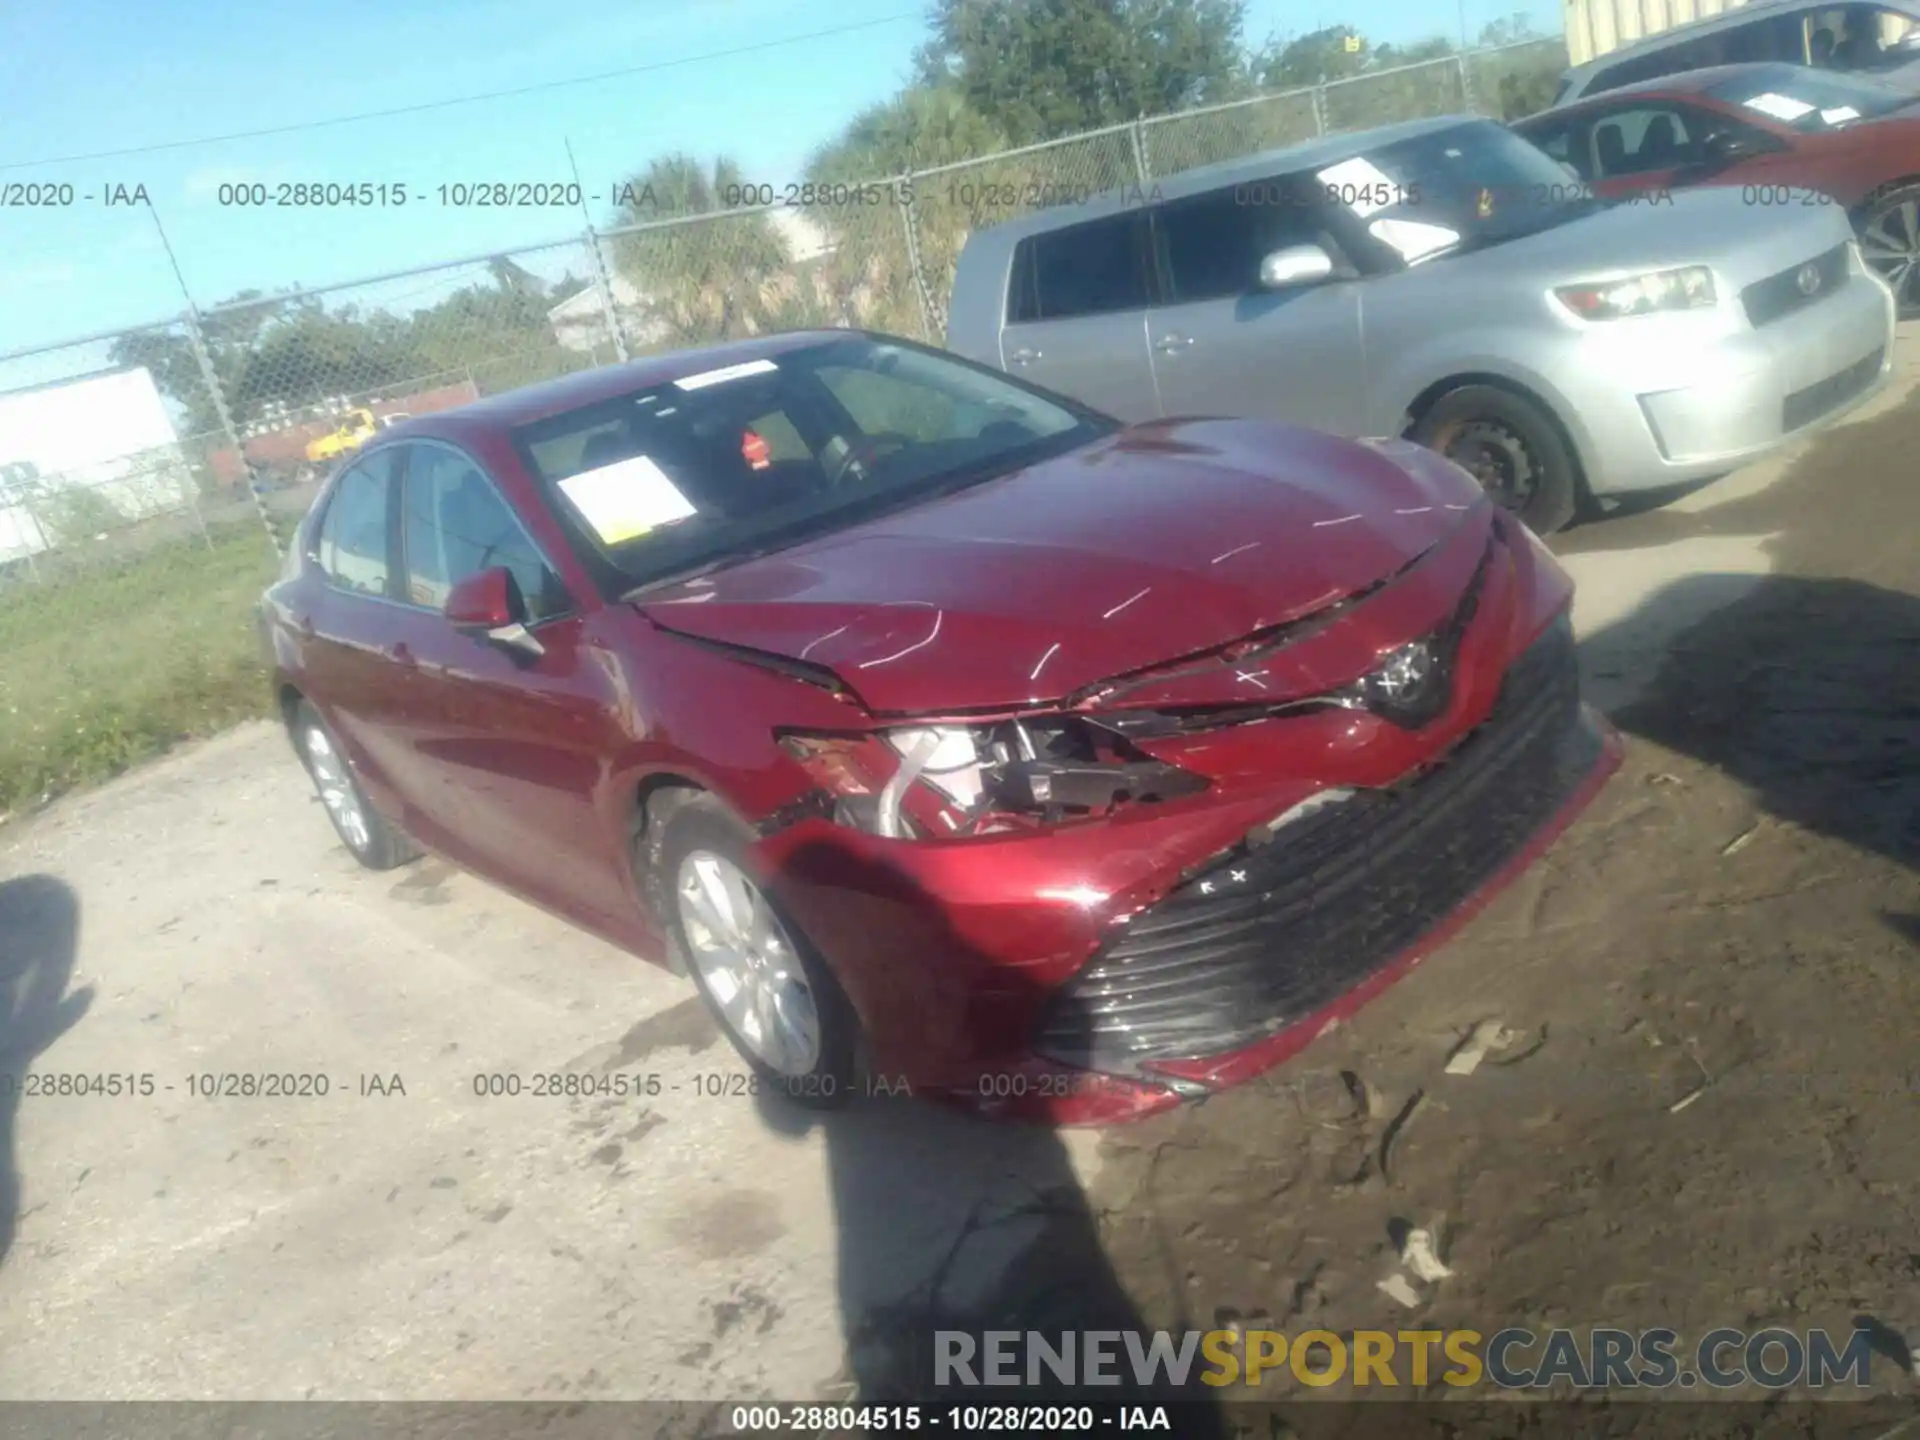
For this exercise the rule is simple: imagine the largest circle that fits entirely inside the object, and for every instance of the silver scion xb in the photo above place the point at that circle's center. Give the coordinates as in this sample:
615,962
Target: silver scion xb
1445,281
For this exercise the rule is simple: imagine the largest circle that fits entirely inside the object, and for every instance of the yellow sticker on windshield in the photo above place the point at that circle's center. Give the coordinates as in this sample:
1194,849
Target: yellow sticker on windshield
626,499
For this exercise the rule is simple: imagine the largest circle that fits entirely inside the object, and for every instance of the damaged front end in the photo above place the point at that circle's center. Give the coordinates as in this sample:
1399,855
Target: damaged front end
959,780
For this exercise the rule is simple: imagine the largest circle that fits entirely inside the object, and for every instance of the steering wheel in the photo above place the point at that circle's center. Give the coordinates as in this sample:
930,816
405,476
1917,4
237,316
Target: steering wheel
853,464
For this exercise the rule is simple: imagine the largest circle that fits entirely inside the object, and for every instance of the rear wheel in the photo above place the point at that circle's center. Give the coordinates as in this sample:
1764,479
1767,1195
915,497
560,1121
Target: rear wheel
1889,231
773,995
1509,445
368,836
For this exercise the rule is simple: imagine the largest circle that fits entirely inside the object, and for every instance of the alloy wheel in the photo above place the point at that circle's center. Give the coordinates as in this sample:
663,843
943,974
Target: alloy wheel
335,784
748,963
1890,243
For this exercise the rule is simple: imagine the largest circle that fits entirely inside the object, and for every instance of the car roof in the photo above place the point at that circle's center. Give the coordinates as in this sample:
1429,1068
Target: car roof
1693,29
513,408
1309,155
1686,82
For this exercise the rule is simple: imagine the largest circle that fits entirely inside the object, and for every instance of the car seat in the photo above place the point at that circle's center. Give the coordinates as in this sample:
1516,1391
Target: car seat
1660,146
1613,150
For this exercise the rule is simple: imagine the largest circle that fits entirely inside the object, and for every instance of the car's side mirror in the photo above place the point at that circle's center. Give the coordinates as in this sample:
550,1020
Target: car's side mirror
1295,265
488,605
1723,148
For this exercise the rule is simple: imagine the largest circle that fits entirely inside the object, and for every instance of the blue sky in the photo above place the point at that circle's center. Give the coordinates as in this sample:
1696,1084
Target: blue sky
88,76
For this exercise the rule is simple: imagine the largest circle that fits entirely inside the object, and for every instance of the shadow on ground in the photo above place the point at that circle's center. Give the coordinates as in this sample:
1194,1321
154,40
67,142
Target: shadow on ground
1807,692
950,1223
39,935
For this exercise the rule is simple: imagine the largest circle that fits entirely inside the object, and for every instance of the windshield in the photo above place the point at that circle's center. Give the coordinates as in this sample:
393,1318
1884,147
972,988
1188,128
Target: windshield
724,464
1463,187
1808,100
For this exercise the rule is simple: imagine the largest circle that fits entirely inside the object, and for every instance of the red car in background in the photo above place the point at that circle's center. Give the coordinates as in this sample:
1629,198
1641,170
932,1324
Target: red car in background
940,728
1786,134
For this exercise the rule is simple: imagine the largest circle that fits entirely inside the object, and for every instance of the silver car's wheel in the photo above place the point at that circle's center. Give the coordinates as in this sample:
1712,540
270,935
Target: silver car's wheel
1510,444
748,964
337,790
1890,244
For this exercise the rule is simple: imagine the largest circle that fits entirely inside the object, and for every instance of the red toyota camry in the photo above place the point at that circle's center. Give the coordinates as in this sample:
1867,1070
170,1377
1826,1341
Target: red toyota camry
949,735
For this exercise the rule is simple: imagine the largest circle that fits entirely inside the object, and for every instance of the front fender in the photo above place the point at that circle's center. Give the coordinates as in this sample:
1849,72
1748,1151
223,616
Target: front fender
1489,355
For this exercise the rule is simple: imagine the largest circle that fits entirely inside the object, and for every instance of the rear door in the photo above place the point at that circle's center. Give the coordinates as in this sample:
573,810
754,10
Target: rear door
1222,345
1077,315
510,747
352,665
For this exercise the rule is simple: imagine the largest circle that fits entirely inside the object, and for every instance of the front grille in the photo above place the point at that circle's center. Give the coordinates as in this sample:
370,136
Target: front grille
1781,294
1803,407
1266,936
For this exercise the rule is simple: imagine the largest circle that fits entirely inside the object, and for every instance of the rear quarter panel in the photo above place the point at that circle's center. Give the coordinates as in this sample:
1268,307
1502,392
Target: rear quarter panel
978,304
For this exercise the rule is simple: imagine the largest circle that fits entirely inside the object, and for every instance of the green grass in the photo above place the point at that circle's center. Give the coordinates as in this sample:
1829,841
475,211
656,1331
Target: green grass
103,669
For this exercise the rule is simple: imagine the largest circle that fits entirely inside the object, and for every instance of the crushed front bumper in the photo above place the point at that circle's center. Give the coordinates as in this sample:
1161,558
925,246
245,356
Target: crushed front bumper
1264,938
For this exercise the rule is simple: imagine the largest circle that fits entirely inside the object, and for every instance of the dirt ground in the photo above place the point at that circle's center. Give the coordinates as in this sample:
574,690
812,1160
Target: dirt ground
1705,1115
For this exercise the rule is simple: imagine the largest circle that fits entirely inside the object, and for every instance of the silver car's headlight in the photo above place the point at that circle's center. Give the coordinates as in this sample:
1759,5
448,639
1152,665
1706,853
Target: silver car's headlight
1657,291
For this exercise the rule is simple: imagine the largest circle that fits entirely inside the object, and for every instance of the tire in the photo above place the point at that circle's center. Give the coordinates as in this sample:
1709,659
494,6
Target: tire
705,846
1512,447
370,837
1889,231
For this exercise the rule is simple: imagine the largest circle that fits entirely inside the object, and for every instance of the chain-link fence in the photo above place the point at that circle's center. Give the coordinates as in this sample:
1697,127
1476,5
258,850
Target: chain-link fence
177,431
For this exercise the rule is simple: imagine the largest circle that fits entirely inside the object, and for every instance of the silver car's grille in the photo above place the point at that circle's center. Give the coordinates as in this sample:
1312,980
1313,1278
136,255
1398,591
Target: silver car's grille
1796,287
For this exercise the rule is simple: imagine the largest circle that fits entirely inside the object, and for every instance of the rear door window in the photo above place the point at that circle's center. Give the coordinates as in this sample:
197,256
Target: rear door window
1092,269
356,537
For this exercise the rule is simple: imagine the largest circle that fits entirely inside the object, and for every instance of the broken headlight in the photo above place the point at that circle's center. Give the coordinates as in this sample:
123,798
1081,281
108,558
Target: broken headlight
917,781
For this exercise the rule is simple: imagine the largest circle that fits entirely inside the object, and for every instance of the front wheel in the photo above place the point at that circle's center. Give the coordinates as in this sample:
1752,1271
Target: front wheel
773,995
1507,443
1889,231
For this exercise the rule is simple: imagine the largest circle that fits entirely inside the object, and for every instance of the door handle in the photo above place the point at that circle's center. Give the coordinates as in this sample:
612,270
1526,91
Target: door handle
1023,356
400,654
1172,344
305,626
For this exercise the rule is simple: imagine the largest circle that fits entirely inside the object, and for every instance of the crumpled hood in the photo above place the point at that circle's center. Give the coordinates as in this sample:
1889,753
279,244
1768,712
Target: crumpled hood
1163,541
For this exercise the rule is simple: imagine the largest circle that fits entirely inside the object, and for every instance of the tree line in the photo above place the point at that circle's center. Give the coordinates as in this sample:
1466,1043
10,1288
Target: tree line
991,76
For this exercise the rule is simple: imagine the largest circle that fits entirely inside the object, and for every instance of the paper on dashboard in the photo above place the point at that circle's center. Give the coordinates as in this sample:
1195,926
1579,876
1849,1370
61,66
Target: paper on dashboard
626,499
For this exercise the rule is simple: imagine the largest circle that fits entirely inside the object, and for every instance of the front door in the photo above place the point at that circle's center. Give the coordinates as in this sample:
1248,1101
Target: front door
511,746
1222,345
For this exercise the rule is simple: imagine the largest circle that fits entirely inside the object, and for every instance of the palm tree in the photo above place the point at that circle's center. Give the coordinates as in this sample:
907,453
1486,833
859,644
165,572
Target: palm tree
869,277
700,281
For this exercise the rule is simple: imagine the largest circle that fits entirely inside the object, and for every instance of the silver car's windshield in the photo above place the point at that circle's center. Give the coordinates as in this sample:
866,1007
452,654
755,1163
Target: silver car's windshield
1809,100
1464,187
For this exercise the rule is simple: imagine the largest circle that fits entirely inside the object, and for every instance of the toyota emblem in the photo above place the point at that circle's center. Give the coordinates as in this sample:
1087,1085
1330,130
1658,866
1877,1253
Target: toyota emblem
1808,279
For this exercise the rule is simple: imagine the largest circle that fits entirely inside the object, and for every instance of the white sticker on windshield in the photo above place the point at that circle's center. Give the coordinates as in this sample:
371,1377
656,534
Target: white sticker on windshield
1412,238
1360,185
730,372
1839,115
626,499
1780,107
